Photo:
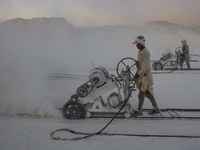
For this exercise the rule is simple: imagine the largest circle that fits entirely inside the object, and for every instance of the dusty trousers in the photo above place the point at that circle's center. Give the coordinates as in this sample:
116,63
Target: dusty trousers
141,97
187,60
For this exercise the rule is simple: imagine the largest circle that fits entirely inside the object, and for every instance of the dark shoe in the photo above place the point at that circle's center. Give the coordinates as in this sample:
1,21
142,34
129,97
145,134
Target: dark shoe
137,113
154,111
140,113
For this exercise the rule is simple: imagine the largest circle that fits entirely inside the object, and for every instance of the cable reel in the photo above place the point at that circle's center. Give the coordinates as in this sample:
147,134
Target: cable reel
113,100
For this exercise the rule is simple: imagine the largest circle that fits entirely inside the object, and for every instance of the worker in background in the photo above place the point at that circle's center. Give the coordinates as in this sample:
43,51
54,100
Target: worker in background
185,55
143,76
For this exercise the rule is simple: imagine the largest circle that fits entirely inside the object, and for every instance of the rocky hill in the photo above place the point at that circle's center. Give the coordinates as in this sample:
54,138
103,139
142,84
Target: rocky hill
165,27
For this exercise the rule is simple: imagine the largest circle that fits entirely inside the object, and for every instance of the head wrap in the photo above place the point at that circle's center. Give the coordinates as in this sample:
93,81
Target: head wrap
139,39
184,42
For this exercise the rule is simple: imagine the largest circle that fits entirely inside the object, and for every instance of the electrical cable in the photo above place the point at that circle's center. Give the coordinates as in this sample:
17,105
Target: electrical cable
194,55
87,135
108,134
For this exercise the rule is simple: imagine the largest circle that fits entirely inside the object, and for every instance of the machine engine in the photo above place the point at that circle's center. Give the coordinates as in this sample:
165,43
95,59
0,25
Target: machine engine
166,55
98,76
89,98
99,73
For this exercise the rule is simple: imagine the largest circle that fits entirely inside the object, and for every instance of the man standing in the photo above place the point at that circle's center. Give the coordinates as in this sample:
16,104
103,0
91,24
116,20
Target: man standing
143,76
185,55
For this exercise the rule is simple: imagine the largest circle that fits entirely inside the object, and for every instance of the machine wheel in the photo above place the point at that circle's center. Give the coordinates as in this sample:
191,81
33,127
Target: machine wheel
88,114
158,66
74,110
122,65
127,115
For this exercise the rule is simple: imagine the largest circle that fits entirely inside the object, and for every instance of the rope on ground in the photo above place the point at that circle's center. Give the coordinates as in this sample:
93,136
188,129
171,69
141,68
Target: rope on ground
109,134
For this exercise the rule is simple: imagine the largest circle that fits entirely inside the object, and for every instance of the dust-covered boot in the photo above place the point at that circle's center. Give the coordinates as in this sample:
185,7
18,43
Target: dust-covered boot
154,111
137,113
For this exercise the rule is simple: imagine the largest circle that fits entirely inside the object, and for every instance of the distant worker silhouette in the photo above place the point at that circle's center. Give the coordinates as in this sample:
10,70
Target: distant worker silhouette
185,55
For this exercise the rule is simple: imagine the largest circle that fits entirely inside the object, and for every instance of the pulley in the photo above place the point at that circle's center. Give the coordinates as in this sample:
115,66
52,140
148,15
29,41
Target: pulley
99,73
82,91
113,99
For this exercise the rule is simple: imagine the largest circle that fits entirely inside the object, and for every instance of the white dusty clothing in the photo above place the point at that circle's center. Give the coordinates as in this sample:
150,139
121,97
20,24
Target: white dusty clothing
185,50
145,80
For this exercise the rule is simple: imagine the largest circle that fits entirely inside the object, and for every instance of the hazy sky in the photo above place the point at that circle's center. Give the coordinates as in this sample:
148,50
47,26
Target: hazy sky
105,12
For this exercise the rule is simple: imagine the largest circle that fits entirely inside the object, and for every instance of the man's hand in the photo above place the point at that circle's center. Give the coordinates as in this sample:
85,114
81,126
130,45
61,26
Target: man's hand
137,63
136,76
